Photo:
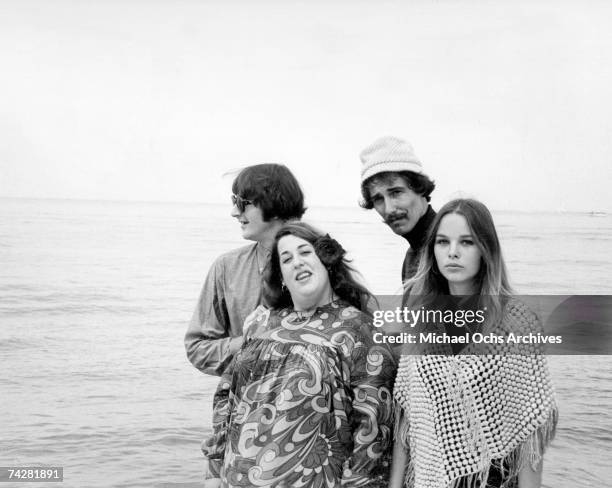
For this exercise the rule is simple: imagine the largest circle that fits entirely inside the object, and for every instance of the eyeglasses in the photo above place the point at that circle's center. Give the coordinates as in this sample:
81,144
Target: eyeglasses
240,202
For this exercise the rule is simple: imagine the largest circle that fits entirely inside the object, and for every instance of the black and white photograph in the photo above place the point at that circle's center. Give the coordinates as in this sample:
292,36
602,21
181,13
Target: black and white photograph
306,244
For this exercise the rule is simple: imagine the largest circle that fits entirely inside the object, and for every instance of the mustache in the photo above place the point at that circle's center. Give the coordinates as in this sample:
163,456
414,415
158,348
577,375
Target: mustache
396,215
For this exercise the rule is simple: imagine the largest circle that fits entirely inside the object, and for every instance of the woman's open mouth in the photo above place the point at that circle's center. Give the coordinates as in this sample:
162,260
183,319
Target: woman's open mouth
303,275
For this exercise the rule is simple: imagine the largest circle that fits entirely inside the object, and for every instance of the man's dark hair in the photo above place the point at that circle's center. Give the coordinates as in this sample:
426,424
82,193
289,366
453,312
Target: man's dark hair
273,189
418,183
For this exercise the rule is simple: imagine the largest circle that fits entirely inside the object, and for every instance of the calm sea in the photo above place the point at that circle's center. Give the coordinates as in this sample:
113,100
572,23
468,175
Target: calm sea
94,302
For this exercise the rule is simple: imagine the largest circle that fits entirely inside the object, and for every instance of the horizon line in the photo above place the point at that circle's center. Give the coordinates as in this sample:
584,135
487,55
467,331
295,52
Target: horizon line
193,202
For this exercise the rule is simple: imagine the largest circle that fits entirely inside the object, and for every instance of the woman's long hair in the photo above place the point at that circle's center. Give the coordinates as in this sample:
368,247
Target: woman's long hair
342,277
492,282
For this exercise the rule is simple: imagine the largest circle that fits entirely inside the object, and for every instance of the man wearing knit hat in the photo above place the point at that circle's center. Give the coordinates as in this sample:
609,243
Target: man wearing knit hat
394,184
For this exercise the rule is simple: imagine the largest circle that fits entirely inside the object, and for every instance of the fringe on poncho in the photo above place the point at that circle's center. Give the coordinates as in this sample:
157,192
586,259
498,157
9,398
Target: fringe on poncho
459,413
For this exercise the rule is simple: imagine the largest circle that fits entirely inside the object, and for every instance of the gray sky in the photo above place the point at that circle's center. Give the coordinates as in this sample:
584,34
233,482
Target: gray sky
509,102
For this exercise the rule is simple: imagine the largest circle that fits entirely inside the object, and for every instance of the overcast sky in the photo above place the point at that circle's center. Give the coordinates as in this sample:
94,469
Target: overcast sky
509,102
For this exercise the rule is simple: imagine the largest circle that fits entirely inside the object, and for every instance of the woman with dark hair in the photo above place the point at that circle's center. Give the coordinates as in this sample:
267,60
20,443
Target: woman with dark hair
264,197
331,254
470,415
307,400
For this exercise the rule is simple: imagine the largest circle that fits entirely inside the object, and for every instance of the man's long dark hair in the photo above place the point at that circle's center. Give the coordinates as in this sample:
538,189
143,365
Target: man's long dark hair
342,277
273,188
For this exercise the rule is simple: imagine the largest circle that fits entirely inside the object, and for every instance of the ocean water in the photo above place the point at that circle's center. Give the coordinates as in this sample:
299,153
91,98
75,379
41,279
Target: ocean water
94,302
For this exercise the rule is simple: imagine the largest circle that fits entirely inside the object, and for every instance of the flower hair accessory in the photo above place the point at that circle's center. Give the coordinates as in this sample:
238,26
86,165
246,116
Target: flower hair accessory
328,250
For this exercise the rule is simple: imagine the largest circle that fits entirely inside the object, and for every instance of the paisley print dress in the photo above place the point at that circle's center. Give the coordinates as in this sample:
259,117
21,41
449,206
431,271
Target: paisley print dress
306,403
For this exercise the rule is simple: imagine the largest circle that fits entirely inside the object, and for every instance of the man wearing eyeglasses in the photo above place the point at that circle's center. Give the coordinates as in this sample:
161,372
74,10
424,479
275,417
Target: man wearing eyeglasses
264,197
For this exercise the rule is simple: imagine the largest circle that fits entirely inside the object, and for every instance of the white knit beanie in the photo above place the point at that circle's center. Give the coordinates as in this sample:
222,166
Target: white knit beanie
388,154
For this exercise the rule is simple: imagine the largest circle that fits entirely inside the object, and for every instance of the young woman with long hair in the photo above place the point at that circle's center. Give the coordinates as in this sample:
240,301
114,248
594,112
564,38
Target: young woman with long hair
470,415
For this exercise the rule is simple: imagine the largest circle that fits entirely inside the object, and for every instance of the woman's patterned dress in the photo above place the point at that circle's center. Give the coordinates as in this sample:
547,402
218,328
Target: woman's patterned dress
307,402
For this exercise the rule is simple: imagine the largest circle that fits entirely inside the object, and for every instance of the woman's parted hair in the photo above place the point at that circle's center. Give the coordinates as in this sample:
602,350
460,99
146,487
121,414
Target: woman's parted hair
342,277
273,188
492,279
